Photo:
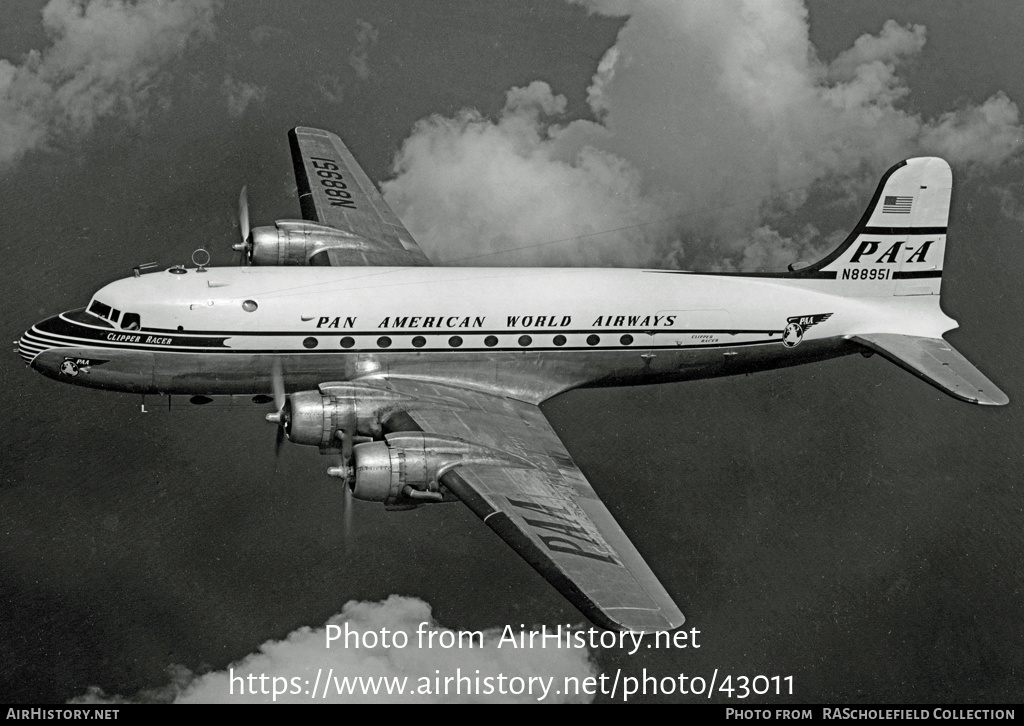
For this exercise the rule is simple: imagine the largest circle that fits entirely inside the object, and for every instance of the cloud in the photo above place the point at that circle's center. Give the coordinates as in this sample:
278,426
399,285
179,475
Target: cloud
297,660
107,57
983,135
1011,200
473,186
699,106
366,37
240,94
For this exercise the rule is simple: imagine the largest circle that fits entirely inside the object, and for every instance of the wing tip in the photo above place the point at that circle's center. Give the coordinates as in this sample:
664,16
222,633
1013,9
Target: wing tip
995,397
648,621
308,131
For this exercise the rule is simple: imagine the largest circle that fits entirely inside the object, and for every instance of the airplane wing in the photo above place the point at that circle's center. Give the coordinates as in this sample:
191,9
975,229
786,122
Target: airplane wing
540,503
334,191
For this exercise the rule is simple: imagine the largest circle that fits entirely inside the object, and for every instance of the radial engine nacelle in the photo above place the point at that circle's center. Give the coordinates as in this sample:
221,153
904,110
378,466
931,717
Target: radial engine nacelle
297,242
406,468
314,418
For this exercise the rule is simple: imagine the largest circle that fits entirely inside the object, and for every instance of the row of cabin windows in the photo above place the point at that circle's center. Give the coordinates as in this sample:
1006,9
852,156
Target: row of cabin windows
129,321
456,341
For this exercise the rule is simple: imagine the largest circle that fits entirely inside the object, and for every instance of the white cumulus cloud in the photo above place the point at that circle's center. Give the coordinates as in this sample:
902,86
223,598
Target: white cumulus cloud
106,57
699,106
421,665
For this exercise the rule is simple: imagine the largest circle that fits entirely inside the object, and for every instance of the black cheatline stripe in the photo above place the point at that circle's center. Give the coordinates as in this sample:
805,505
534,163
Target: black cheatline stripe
61,327
813,275
342,333
40,340
348,351
903,230
916,275
66,333
52,341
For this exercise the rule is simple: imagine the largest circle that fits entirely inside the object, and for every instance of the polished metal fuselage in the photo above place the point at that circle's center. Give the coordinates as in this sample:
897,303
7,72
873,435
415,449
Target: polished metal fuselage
527,334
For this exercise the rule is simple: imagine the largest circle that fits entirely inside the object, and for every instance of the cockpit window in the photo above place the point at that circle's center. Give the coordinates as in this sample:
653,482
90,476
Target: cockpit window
100,309
81,316
130,321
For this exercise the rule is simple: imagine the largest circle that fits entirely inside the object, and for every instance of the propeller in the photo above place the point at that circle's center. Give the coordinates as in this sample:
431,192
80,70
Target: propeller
344,471
245,246
281,415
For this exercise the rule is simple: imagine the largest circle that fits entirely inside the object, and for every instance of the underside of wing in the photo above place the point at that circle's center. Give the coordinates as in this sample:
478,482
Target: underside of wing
335,192
515,474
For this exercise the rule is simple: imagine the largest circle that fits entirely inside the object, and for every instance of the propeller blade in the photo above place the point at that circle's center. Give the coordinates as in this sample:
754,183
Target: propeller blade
277,378
346,517
243,214
245,246
278,441
280,416
344,471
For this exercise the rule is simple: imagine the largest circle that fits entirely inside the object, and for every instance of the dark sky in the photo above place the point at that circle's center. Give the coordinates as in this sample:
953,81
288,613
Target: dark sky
843,523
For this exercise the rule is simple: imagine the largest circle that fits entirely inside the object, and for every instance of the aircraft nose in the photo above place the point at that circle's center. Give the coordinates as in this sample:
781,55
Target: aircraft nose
31,344
39,339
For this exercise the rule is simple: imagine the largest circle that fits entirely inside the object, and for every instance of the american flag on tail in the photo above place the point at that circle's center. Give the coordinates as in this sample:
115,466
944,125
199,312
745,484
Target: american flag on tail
897,205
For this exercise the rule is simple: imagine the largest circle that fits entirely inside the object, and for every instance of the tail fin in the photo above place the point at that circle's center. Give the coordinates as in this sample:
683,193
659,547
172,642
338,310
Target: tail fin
896,250
898,245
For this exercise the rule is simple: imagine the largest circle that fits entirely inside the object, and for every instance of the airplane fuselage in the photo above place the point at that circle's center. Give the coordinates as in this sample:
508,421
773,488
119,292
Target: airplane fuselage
528,333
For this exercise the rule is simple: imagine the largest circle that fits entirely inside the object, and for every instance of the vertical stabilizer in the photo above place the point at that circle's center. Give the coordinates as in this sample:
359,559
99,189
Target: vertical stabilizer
898,246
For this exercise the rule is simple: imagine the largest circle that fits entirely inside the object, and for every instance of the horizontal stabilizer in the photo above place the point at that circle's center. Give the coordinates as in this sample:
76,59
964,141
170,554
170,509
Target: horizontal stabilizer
937,362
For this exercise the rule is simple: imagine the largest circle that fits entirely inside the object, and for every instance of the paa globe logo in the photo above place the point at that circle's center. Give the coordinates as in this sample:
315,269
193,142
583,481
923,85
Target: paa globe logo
73,366
798,325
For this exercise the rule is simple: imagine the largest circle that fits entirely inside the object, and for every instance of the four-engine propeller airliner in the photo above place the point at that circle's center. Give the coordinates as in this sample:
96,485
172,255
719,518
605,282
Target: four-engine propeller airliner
425,381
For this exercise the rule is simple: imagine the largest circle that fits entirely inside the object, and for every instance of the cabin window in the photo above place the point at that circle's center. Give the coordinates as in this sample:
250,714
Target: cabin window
130,321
